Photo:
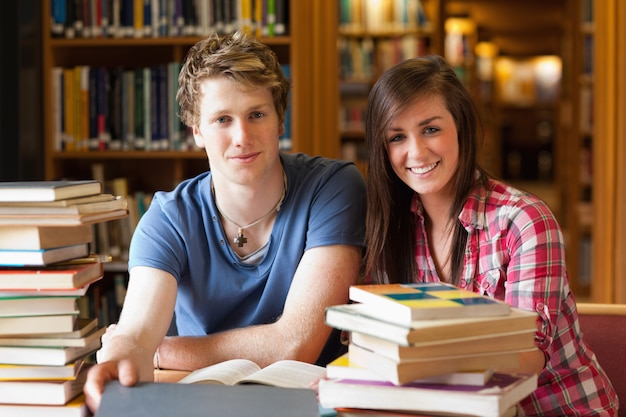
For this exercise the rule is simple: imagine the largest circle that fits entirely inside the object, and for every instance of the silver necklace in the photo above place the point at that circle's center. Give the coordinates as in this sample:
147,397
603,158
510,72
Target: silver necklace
241,240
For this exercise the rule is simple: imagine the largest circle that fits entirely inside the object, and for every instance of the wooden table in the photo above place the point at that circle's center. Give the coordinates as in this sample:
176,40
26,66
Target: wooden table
166,375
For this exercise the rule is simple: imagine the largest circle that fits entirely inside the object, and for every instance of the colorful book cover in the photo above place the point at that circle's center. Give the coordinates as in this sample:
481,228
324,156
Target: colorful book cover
408,302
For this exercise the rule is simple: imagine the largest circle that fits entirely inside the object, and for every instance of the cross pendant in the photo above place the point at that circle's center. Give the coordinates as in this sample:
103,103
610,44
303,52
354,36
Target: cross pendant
240,240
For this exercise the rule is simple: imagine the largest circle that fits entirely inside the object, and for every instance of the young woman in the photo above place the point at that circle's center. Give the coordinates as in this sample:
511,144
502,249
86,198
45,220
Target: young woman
434,215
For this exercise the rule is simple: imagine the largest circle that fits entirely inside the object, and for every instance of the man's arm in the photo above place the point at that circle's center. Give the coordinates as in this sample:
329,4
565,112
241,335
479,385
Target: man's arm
127,352
322,279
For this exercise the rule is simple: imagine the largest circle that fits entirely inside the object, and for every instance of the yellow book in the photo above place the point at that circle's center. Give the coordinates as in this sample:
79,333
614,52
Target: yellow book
246,16
138,18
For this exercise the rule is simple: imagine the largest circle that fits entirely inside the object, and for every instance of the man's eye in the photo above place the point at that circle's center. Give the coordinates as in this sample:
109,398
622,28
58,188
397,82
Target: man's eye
257,115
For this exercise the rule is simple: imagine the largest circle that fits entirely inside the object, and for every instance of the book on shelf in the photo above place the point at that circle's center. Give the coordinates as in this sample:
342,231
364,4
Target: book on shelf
285,374
404,303
524,339
86,334
19,306
151,19
54,277
43,392
74,408
43,237
40,372
42,257
201,400
343,368
60,219
496,398
117,203
359,318
22,325
407,371
47,190
46,355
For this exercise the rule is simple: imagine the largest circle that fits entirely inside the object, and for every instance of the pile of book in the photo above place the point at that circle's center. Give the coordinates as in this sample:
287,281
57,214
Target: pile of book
428,348
46,268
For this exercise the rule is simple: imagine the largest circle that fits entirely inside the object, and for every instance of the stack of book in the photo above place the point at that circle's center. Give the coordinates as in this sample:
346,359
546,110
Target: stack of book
429,348
46,268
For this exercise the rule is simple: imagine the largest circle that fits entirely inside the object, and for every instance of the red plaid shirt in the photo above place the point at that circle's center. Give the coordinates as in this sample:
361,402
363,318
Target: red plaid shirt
515,252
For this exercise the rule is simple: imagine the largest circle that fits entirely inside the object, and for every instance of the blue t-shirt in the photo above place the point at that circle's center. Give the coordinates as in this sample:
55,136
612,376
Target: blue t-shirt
181,233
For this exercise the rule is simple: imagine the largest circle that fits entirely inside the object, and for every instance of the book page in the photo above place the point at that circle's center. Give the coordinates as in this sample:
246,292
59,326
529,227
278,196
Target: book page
227,373
287,374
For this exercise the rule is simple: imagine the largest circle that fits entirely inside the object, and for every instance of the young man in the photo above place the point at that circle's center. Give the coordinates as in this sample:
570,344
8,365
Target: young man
249,254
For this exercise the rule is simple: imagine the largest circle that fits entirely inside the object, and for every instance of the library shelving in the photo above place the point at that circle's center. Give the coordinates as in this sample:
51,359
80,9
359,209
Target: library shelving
161,167
579,210
373,36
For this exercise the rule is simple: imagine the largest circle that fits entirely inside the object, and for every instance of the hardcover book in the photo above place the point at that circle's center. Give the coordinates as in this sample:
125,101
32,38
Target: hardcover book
45,355
43,237
404,303
111,204
60,219
87,333
54,392
31,325
406,371
362,412
19,306
518,340
47,190
74,408
40,372
53,277
495,399
206,400
343,368
359,318
42,257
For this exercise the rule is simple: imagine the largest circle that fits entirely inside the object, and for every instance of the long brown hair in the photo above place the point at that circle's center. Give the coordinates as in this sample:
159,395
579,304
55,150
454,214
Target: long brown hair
390,226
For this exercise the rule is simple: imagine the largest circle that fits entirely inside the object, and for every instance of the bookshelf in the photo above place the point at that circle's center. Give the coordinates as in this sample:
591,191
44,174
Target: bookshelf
151,170
373,36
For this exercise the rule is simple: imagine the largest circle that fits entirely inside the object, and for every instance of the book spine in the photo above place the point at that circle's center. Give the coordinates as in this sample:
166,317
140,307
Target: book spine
58,10
139,141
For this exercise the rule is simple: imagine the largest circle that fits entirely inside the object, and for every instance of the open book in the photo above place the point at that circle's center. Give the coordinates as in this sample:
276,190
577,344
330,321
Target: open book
284,374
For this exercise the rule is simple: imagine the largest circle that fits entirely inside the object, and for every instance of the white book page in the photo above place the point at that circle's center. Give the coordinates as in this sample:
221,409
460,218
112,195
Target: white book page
287,374
228,373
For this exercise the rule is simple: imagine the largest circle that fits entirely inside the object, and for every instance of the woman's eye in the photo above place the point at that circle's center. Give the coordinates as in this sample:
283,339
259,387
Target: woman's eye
221,120
431,130
395,138
257,115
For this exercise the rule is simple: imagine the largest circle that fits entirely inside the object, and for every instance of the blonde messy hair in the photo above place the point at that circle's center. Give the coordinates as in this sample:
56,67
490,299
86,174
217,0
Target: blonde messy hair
238,57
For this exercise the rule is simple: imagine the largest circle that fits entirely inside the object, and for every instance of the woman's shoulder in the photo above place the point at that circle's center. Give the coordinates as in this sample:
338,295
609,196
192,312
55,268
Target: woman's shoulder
504,194
504,200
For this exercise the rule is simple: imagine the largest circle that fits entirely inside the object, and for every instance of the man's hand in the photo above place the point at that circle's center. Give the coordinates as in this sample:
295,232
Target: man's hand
99,375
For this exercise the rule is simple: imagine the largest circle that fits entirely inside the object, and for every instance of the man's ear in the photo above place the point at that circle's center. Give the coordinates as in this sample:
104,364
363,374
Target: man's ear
197,136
